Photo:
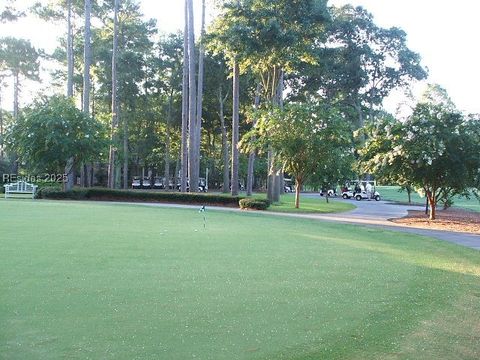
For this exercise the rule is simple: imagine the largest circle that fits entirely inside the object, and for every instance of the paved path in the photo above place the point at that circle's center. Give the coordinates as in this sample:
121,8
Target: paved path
379,213
368,213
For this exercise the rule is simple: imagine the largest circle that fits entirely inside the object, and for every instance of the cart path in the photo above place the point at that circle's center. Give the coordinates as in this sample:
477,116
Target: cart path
368,213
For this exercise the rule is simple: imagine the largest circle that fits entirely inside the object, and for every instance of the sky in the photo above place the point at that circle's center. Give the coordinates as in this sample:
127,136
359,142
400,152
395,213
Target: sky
444,33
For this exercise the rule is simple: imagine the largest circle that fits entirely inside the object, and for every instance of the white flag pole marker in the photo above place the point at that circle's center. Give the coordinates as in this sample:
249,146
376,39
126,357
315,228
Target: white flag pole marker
203,210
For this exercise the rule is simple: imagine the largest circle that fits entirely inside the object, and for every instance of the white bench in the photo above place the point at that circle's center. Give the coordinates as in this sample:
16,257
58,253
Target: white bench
20,187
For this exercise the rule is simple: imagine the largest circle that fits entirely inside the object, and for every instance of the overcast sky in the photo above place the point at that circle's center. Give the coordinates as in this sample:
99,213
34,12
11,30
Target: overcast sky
444,33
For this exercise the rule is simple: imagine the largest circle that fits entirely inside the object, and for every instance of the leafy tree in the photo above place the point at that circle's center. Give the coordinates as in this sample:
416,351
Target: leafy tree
2,122
305,137
185,79
168,66
115,108
358,64
192,102
8,12
435,150
19,58
269,38
51,132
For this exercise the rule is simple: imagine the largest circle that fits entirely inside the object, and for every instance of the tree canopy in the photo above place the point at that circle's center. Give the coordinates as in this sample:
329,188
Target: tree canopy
305,137
52,131
435,150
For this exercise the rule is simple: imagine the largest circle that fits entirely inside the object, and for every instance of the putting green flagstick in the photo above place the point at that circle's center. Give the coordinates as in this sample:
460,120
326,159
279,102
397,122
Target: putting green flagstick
202,210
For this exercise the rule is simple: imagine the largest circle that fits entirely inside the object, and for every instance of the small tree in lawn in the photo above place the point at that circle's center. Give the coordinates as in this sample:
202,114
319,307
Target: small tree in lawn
384,135
436,149
53,131
303,136
334,168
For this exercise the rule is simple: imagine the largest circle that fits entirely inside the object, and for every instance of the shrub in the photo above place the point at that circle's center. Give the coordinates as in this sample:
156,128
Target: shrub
56,193
255,204
139,196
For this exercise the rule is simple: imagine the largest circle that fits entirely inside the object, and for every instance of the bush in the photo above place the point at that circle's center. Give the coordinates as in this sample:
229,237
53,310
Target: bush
138,196
56,193
255,204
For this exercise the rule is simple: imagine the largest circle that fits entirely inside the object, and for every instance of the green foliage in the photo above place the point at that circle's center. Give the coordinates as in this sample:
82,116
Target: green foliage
4,169
307,138
435,150
8,12
358,65
52,131
268,36
18,56
140,196
260,32
254,204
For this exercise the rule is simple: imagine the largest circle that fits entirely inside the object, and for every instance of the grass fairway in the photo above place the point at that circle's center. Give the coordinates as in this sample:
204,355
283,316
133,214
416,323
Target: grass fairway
308,205
110,281
391,193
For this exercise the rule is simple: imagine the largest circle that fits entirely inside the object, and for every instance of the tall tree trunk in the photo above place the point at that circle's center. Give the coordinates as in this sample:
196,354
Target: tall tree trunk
431,195
16,110
275,171
125,152
298,186
184,147
198,125
114,124
251,156
225,154
87,59
270,176
177,170
358,108
68,185
16,90
235,127
69,50
167,140
192,103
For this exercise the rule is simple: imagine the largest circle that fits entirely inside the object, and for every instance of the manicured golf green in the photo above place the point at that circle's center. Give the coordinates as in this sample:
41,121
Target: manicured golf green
85,280
392,193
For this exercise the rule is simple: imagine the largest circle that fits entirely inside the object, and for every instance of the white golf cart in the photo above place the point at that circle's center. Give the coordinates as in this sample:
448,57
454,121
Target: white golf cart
136,183
361,190
159,183
330,192
202,185
289,187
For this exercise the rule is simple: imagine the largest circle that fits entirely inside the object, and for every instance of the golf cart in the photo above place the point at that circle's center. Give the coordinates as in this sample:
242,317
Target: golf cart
288,186
330,193
361,190
136,183
159,183
146,184
202,185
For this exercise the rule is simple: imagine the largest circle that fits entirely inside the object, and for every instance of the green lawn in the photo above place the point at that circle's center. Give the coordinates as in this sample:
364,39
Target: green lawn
85,280
315,204
391,193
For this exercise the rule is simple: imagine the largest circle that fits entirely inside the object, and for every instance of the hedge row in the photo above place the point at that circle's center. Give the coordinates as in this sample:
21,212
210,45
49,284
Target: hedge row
139,196
255,204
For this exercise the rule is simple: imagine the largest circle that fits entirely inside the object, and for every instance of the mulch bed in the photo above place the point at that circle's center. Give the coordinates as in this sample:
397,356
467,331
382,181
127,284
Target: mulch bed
451,219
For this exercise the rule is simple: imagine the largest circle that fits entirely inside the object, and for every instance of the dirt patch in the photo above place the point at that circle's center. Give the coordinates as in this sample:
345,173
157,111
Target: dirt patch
451,220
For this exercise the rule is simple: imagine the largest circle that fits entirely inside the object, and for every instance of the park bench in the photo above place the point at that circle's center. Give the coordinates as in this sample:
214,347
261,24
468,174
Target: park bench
20,187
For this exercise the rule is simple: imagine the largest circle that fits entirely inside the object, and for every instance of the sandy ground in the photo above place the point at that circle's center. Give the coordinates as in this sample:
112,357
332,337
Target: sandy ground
451,220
